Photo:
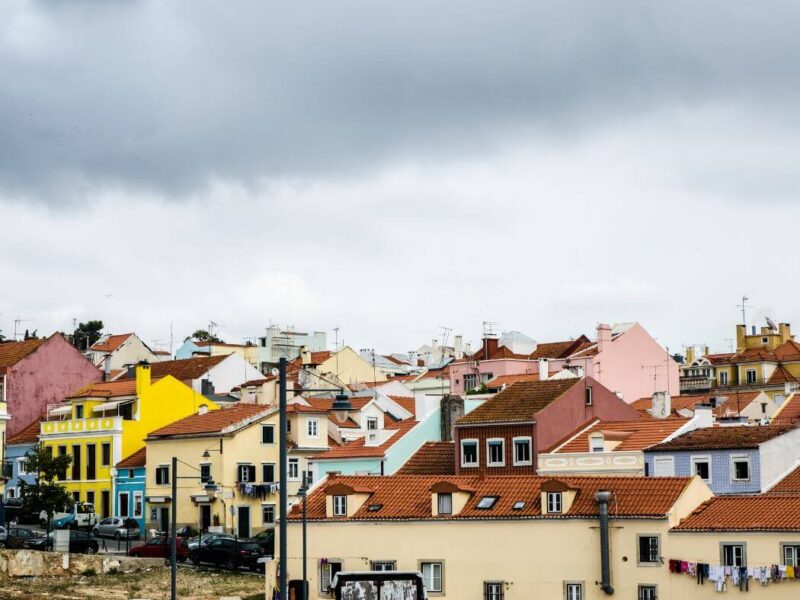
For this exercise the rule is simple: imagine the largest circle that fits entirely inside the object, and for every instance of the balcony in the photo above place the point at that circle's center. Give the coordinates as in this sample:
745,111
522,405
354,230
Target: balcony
630,462
81,426
696,384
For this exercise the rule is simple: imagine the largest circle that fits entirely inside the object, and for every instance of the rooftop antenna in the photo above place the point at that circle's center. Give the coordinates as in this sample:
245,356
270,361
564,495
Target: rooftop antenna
488,327
744,306
211,326
336,348
445,334
17,323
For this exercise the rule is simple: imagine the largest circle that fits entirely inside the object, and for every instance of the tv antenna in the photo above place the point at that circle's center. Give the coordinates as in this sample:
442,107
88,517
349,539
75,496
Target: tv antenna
445,334
17,323
744,306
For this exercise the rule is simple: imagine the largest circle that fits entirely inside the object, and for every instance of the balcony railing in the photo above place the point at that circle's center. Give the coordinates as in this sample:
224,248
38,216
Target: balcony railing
76,426
696,383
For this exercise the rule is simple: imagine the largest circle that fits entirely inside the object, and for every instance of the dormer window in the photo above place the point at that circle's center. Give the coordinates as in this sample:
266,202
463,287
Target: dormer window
519,505
372,423
596,442
340,506
487,502
445,503
554,502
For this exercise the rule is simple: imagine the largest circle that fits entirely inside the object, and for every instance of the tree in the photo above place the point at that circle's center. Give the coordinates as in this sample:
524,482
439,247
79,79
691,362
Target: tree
87,334
46,494
201,335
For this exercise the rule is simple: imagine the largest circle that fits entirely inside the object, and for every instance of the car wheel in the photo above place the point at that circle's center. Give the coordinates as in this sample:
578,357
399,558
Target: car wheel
230,564
96,532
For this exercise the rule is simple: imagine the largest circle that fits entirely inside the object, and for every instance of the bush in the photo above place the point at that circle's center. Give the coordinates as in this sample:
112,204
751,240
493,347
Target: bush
89,572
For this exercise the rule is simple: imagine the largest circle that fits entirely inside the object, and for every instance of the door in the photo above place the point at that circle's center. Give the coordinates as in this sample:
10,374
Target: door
205,517
105,497
243,521
163,519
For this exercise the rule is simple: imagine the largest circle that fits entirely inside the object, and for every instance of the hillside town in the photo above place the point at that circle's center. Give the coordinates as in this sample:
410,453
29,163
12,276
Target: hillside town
623,469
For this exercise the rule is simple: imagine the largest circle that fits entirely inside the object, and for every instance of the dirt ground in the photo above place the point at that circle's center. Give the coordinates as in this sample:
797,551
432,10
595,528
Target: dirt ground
152,584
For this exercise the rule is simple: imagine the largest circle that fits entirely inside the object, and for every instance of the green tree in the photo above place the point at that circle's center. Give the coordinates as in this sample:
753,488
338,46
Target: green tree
201,335
87,334
46,494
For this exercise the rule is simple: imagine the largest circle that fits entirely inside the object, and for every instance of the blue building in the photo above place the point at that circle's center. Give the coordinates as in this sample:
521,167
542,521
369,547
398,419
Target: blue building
741,459
129,488
17,447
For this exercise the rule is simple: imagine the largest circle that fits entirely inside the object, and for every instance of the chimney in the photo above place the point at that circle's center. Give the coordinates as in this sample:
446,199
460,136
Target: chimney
661,406
786,331
741,333
203,409
305,355
206,387
490,343
705,351
703,416
689,355
107,367
412,358
603,336
142,377
544,369
457,344
603,498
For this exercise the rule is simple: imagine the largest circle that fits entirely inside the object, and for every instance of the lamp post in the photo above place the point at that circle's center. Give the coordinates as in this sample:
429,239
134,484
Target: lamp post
303,493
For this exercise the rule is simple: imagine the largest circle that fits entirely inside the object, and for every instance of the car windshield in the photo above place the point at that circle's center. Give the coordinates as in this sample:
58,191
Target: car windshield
85,509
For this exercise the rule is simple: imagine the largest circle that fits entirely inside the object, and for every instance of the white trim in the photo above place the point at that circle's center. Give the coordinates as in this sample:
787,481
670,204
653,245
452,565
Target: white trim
477,453
138,494
738,457
671,460
337,511
522,463
315,421
489,462
693,459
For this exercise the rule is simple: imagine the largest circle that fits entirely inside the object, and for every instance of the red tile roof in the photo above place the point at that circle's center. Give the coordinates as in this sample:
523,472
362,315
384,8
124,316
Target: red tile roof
519,402
788,413
13,352
28,435
721,438
558,349
788,485
184,369
111,343
409,403
720,359
137,459
358,448
214,421
326,404
745,513
433,458
780,376
733,403
106,389
408,497
632,435
506,380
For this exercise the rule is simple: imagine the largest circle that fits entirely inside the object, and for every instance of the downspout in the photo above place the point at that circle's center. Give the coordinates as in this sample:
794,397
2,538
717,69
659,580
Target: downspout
603,498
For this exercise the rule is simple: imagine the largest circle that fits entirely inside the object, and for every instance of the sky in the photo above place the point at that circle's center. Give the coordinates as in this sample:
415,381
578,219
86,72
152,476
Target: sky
398,170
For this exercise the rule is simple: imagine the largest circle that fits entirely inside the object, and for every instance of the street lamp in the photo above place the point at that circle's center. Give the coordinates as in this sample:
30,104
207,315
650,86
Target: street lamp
303,493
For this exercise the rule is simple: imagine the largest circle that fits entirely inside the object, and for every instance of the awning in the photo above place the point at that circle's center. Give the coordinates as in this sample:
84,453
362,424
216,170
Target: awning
108,405
203,498
61,410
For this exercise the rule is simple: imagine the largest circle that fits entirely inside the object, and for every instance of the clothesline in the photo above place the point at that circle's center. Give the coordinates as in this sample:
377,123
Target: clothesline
257,490
739,577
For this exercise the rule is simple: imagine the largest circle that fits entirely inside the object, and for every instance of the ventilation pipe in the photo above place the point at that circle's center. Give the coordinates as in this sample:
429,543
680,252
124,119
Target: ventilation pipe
107,367
603,499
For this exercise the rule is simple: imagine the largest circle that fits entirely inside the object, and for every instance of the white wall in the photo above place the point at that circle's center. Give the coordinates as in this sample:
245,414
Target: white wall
229,373
778,456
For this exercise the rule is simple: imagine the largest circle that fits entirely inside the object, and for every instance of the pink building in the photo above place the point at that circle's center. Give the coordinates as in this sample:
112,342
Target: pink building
624,358
35,373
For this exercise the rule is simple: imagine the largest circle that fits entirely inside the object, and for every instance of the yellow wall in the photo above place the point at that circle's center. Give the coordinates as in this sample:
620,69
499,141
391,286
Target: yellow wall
351,367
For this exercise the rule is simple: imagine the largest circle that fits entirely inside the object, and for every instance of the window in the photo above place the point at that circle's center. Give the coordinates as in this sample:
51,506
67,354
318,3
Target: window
294,469
123,504
573,591
90,497
493,590
205,473
495,452
519,505
733,555
791,554
647,592
587,396
76,497
105,454
445,504
372,423
663,466
765,340
247,473
740,468
340,506
751,375
432,576
469,453
267,514
162,475
701,466
131,473
470,382
62,451
522,451
76,463
8,469
2,388
383,565
723,378
554,502
778,399
327,570
267,434
288,426
91,461
648,550
312,427
79,411
268,472
126,412
22,466
486,502
597,443
138,505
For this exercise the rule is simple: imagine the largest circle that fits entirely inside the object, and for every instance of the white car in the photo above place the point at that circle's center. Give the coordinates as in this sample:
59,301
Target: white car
114,527
80,515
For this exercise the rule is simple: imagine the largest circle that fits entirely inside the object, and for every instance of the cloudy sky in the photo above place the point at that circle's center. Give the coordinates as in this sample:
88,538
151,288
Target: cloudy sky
393,167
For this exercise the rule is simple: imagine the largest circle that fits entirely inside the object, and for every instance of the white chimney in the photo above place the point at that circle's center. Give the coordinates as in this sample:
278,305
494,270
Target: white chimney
661,407
457,347
703,416
544,369
203,409
305,355
412,358
107,367
603,336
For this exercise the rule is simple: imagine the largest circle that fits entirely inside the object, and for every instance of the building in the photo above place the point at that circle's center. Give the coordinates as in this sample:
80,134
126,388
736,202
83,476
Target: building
238,448
504,435
129,487
102,423
497,537
115,352
16,449
731,460
743,405
36,373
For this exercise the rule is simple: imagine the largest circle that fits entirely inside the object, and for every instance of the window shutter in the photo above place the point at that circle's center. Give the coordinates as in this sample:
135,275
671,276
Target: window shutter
251,473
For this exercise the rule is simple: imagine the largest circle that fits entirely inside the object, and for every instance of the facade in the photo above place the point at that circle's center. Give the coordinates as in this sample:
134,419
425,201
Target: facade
35,373
731,460
504,435
129,488
16,449
242,446
102,423
115,352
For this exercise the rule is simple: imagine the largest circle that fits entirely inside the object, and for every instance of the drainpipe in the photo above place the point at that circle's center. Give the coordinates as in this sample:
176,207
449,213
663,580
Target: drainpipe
603,498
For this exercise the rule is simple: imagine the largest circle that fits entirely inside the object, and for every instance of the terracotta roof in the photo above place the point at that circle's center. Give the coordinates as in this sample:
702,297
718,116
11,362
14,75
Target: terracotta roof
359,449
734,402
788,413
745,513
558,349
632,435
111,343
780,376
214,421
720,359
408,497
13,352
28,435
106,389
184,369
789,350
433,458
788,485
254,382
409,403
519,402
137,459
326,404
396,361
506,380
348,423
721,438
302,408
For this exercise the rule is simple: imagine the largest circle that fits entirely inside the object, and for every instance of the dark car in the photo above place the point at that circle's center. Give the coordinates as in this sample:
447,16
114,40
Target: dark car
17,536
79,542
265,539
17,511
205,540
231,553
161,547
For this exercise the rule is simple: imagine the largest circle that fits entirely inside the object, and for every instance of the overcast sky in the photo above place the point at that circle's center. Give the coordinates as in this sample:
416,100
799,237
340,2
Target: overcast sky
393,167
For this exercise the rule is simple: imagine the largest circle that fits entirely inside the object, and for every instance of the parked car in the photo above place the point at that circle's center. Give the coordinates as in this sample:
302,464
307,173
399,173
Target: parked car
15,537
206,539
229,552
116,527
16,510
79,515
265,539
160,547
79,542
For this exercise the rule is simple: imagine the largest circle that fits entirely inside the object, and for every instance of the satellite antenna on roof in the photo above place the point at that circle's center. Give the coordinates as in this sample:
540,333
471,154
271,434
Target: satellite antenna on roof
771,324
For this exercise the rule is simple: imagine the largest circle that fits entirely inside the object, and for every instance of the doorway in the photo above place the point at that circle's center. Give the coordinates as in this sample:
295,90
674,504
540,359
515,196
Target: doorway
205,517
243,521
163,519
105,501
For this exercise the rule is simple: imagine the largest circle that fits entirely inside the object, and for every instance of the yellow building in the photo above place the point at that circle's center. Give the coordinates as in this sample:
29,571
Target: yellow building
103,423
237,448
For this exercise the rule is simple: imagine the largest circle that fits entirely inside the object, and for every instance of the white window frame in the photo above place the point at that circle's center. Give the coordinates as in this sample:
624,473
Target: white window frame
648,563
737,458
790,554
742,557
439,498
340,506
529,441
573,590
296,463
473,377
381,565
372,421
164,469
127,505
647,591
431,577
2,388
477,453
138,496
755,376
243,472
325,576
265,507
312,427
597,437
555,503
494,590
489,461
22,465
723,378
703,458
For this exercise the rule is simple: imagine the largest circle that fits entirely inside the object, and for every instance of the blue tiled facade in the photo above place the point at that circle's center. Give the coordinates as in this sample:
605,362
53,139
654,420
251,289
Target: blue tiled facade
13,453
721,480
134,487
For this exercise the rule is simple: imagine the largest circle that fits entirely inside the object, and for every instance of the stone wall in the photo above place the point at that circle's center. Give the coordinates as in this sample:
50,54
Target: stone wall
33,563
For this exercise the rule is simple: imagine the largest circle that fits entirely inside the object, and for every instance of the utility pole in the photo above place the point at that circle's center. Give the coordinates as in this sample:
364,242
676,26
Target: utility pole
284,500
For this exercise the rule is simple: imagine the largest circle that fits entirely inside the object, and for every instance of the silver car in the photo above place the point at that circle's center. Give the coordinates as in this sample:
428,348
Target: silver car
115,527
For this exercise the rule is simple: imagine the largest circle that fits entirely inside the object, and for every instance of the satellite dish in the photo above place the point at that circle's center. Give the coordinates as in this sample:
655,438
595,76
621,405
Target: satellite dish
771,324
275,371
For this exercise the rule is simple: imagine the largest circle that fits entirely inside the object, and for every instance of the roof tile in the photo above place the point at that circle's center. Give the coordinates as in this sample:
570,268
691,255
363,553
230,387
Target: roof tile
721,438
519,402
433,458
214,421
745,513
13,352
